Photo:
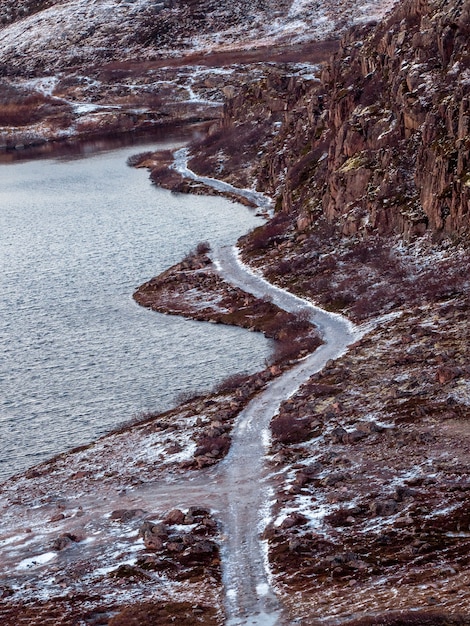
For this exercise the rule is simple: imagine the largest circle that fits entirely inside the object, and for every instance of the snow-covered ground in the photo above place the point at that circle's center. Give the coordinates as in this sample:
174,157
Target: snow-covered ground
79,32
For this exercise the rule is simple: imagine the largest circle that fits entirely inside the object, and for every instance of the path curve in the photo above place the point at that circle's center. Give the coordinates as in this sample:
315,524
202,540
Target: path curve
180,164
249,597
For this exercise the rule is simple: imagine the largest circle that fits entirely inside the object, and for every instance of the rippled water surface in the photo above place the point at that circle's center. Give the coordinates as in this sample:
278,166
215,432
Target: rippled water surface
78,355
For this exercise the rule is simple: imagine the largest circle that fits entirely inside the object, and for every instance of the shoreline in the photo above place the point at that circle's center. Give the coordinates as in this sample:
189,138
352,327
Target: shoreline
133,486
367,498
209,437
194,288
57,147
322,433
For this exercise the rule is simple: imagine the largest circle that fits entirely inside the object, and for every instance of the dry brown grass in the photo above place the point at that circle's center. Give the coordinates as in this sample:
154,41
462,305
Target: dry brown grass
166,614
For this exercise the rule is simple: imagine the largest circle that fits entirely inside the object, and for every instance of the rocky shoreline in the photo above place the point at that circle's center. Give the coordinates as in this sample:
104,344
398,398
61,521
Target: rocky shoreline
103,495
351,454
369,459
193,288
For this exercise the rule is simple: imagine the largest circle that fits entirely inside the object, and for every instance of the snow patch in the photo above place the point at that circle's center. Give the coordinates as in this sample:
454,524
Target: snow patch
262,589
37,561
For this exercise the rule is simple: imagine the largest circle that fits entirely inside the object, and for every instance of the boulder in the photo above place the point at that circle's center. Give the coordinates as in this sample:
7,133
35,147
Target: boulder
294,519
338,434
446,373
174,517
153,535
64,541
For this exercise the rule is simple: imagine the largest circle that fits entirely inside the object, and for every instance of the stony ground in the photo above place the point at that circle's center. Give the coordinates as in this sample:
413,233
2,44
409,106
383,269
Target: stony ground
94,530
371,456
136,96
371,463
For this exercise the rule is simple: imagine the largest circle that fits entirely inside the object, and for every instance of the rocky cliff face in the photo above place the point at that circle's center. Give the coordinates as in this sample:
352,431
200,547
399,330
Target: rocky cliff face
381,143
399,117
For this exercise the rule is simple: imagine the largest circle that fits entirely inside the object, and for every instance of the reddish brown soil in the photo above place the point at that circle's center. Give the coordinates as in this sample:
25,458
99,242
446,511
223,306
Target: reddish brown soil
312,52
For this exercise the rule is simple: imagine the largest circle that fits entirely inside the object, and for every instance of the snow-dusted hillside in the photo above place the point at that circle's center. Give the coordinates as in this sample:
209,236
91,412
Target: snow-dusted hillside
41,35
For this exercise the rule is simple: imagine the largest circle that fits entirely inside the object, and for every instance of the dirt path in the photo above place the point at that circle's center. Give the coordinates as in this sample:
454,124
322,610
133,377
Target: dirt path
238,491
249,598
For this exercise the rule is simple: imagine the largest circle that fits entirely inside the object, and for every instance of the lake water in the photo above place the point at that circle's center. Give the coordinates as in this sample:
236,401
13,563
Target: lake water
78,355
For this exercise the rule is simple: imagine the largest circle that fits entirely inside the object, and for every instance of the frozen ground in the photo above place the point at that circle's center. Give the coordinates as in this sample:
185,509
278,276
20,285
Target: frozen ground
79,32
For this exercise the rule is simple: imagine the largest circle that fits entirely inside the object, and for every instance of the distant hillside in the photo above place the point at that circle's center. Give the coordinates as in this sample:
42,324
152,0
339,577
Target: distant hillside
43,35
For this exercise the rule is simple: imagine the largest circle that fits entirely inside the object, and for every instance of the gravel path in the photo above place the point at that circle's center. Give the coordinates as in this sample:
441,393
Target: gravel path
249,597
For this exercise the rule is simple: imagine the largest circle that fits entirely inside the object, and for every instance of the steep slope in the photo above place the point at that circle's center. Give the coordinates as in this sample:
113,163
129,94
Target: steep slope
381,143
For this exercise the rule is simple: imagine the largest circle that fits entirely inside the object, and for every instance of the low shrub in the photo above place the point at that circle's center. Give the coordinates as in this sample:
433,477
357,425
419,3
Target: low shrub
218,446
165,177
203,247
165,614
189,395
232,382
291,348
136,159
268,234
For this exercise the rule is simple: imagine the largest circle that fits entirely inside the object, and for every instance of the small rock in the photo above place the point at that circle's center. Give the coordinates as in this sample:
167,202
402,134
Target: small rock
294,519
64,541
338,434
383,507
126,515
203,547
446,373
175,546
154,535
294,544
354,436
174,517
301,479
199,511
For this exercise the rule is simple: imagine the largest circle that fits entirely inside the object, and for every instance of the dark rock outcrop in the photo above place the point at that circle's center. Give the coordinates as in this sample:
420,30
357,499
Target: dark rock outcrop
381,143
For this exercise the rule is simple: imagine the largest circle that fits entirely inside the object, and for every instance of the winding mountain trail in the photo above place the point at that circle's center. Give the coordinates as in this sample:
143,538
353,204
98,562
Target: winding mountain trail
239,490
249,598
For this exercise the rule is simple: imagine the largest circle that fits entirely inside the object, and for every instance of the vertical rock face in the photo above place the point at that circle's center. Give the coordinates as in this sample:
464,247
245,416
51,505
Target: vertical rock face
399,158
402,133
382,142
